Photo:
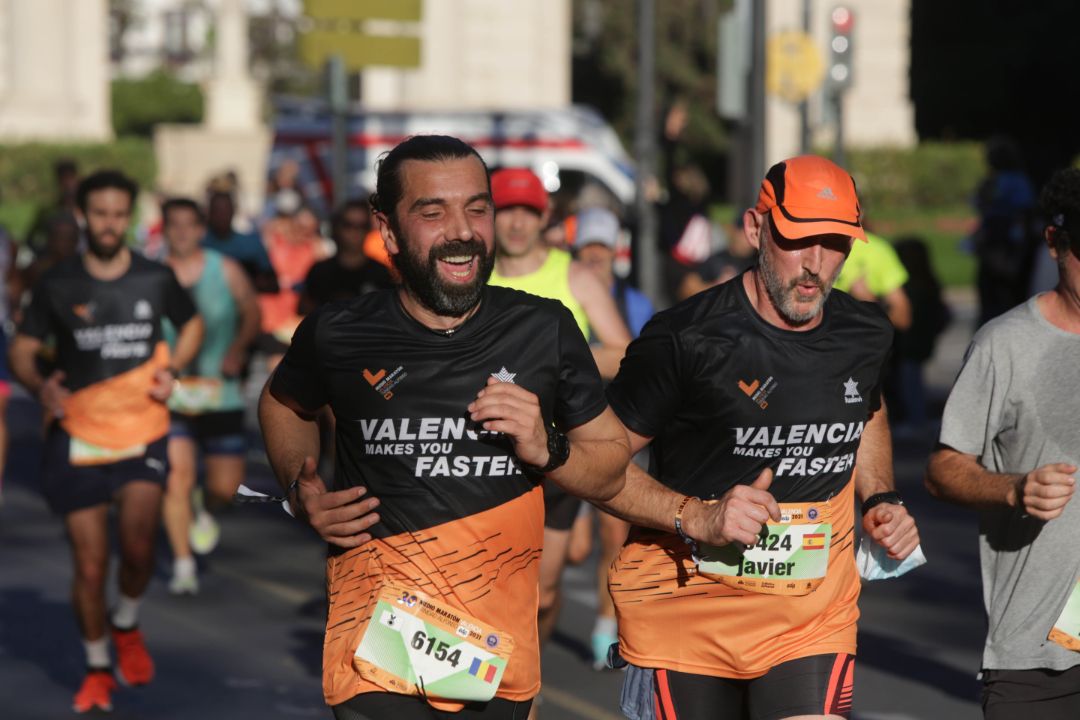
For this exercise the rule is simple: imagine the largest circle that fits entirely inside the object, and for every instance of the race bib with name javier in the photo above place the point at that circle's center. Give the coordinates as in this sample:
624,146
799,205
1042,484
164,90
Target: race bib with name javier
791,557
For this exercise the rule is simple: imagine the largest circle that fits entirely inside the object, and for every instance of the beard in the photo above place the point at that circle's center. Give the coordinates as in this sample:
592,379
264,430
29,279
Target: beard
783,295
421,278
103,250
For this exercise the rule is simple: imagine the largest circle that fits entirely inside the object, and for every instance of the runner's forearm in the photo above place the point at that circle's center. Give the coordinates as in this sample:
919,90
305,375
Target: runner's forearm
288,437
957,477
644,501
874,463
599,453
250,320
188,342
22,356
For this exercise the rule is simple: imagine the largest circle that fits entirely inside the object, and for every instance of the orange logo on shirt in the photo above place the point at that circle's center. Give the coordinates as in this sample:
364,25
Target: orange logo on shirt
84,312
758,391
374,378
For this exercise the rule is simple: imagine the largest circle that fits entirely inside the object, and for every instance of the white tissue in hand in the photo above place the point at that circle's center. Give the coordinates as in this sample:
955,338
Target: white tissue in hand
874,562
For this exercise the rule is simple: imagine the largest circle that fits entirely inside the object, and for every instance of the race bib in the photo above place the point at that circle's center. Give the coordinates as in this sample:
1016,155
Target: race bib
1066,631
195,395
81,453
791,557
414,645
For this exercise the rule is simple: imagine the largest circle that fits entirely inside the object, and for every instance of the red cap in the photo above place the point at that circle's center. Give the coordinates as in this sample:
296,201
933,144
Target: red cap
518,186
810,195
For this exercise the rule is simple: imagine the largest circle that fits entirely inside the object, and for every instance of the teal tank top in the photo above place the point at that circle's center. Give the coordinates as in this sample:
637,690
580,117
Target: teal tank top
203,388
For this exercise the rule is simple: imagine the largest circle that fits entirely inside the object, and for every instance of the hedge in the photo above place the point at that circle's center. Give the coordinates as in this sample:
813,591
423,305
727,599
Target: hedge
139,104
932,175
26,170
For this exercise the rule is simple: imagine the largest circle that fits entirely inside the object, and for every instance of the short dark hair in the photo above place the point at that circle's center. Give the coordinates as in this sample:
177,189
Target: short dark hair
65,166
338,216
181,203
105,180
1060,204
430,148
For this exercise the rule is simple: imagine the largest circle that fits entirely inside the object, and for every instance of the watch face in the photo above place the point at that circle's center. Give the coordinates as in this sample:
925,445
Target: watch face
558,448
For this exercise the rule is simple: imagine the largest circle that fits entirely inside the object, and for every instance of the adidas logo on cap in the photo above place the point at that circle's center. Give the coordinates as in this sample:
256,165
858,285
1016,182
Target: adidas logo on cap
826,194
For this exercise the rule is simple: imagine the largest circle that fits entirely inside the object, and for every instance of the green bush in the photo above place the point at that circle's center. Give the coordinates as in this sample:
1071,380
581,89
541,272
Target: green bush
26,169
139,105
27,179
931,175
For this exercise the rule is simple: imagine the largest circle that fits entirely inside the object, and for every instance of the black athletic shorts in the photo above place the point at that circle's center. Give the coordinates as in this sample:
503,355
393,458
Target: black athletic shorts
815,685
68,487
560,507
215,433
1031,694
387,706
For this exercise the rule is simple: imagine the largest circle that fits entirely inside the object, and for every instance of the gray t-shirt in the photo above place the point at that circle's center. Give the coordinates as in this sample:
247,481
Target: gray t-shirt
1016,407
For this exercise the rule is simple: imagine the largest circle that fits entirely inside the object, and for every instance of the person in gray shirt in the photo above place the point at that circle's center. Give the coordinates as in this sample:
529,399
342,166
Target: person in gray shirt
1009,447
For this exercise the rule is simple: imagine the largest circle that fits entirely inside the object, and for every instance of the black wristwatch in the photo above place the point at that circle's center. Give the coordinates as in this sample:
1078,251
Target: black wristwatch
892,497
558,452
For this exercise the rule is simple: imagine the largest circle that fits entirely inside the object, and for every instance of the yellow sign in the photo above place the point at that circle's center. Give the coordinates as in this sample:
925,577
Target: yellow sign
362,9
359,51
337,29
794,67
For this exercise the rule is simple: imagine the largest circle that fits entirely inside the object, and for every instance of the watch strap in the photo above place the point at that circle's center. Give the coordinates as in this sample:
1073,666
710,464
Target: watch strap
892,497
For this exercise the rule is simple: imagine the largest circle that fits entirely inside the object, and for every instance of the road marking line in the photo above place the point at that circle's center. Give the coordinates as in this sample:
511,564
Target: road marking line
278,590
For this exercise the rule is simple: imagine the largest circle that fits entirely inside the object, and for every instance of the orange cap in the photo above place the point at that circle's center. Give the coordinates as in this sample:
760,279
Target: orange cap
810,195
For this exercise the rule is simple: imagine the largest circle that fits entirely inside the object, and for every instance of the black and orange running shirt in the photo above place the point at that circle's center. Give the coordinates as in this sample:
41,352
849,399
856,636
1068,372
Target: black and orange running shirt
109,342
460,521
724,394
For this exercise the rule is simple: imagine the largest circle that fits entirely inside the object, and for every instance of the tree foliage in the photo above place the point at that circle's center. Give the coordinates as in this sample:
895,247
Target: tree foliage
605,48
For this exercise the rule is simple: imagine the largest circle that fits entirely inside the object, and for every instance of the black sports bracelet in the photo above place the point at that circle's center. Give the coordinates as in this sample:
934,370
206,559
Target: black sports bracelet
892,497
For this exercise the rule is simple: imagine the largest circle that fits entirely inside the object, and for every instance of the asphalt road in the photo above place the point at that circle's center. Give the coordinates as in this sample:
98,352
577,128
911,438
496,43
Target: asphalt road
248,646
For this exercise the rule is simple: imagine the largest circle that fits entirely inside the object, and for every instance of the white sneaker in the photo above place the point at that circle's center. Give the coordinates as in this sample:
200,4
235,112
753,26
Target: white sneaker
204,533
184,585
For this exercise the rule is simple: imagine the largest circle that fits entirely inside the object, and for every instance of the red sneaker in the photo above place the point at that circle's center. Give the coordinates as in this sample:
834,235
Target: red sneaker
134,666
96,692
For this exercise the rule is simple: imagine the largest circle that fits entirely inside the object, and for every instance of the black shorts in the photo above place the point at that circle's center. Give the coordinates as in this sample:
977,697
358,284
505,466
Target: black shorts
380,706
815,685
1031,694
68,487
560,507
215,433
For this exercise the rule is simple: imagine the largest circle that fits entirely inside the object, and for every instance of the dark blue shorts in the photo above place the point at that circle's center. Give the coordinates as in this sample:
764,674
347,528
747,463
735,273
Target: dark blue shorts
216,433
68,487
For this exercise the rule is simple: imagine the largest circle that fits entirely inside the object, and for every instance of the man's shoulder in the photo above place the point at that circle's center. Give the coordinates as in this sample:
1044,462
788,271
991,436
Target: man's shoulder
1006,325
67,269
847,310
716,303
506,299
323,267
143,265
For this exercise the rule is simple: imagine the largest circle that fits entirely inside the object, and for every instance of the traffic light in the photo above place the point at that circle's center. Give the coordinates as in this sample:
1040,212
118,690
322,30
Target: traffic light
840,66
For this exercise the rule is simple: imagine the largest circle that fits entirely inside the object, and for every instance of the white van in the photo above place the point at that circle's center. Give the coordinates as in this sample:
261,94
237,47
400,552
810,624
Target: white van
567,148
